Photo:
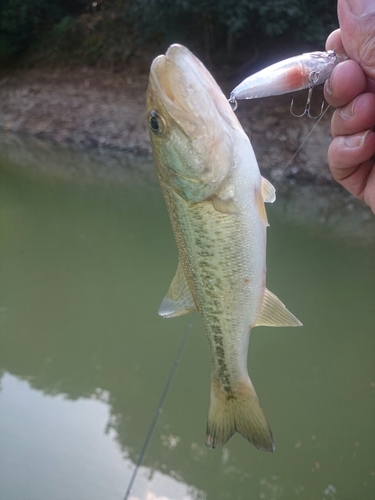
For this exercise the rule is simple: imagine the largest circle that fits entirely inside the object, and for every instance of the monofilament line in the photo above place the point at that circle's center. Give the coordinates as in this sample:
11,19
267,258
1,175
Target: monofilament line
159,408
306,138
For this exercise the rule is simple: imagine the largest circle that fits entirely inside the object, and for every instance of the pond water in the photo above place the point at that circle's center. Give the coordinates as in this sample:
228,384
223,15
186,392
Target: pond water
85,261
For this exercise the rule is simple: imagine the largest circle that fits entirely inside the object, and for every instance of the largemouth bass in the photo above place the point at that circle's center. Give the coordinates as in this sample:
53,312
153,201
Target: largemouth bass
215,197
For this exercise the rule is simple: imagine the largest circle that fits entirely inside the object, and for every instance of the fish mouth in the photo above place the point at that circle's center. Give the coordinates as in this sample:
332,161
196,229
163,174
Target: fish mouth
170,72
187,90
199,123
159,78
161,91
189,81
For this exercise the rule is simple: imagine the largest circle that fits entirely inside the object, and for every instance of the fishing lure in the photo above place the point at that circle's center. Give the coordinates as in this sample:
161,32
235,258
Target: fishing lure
295,73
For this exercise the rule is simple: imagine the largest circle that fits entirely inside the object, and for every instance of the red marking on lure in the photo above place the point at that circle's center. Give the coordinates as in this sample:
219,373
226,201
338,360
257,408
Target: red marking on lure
295,79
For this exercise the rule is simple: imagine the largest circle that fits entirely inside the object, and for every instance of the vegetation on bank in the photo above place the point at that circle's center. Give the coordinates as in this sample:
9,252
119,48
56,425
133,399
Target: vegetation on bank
108,32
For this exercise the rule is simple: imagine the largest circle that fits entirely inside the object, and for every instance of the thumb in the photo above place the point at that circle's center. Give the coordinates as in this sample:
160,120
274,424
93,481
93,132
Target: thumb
357,27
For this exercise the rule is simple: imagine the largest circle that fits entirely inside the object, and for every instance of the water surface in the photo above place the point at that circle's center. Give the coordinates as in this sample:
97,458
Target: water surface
85,261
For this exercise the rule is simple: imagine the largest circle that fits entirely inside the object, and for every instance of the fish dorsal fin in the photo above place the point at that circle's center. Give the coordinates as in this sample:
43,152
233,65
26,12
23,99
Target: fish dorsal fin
274,313
178,300
268,191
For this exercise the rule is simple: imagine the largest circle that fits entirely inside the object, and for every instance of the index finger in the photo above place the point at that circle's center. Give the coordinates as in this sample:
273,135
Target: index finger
334,42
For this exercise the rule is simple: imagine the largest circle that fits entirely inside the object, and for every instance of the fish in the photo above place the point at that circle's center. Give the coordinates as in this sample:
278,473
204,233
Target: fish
215,196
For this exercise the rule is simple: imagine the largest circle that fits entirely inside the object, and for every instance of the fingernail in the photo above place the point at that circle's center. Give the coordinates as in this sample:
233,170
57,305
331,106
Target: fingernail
347,112
356,141
328,86
361,8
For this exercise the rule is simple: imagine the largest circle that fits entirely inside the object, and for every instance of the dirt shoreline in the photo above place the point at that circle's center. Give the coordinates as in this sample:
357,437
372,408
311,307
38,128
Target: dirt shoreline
100,108
90,125
85,106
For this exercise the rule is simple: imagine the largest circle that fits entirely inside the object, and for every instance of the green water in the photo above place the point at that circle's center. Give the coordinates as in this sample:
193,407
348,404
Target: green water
84,357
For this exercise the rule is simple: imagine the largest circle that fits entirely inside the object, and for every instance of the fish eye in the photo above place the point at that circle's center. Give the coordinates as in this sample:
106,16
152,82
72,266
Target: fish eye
157,124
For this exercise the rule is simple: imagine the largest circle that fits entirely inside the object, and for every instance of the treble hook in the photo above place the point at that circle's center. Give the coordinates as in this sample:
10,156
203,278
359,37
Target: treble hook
314,76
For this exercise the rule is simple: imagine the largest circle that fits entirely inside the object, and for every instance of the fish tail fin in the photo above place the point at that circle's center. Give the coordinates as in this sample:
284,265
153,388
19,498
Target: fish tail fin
237,410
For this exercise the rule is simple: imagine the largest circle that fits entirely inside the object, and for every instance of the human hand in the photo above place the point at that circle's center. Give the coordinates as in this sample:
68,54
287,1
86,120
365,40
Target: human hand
351,89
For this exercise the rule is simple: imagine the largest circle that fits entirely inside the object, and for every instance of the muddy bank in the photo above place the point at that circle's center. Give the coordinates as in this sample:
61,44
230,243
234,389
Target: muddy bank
95,107
102,110
84,106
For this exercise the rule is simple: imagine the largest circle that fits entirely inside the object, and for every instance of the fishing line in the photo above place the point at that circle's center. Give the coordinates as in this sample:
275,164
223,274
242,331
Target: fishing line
159,408
307,136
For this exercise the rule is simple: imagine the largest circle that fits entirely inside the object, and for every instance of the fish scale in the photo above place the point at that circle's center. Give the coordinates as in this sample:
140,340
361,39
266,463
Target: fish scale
222,284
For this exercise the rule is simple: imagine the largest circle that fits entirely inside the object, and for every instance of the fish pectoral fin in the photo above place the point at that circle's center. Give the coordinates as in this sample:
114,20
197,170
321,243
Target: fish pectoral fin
178,300
268,191
224,205
274,313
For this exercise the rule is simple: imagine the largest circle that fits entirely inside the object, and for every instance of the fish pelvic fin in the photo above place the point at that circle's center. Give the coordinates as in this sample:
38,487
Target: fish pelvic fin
237,410
178,300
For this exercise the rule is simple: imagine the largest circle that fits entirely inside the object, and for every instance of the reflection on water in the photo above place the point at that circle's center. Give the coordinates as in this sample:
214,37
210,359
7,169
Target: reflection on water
84,356
49,454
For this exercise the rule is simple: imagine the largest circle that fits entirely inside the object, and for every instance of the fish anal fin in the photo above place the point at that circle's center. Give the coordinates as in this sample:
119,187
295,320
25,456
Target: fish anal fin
268,191
274,313
237,410
178,300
